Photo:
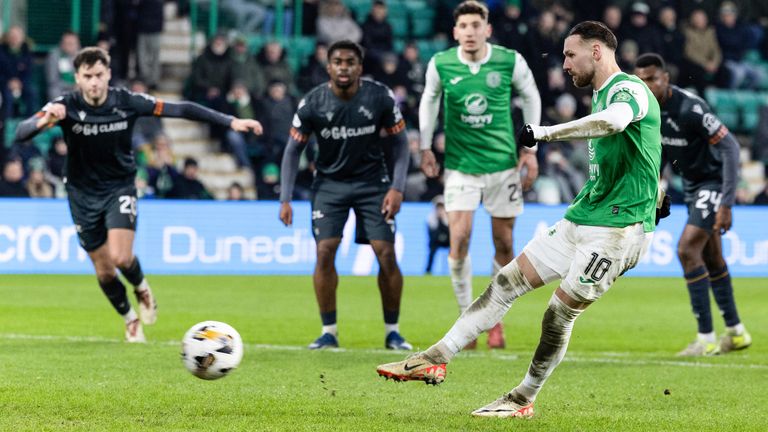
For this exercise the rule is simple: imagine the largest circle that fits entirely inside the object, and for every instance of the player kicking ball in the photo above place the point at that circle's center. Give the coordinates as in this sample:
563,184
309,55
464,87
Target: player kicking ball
604,233
98,121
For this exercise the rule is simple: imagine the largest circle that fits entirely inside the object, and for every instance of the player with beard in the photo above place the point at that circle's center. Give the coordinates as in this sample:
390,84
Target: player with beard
605,231
97,121
706,154
347,116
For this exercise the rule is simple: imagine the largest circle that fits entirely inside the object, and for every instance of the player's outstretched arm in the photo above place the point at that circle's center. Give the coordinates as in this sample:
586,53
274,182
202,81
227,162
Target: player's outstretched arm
610,121
197,112
51,114
288,171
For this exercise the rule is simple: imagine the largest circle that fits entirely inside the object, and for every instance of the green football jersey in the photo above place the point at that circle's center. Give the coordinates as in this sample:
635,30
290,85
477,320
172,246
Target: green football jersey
479,135
623,168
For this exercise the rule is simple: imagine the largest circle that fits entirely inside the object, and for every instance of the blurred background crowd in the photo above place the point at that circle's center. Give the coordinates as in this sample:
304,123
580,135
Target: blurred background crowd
256,58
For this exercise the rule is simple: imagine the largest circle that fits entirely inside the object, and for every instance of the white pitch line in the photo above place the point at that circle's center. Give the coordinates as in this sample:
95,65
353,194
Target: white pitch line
620,358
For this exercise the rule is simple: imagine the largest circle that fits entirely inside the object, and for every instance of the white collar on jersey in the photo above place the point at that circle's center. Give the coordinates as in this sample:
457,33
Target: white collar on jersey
474,67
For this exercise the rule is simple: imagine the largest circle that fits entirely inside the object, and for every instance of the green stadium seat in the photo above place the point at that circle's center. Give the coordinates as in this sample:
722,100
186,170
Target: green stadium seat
399,26
422,23
726,104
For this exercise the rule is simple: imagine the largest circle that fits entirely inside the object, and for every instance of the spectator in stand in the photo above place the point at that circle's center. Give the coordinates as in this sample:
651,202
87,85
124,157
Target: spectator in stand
18,92
641,31
149,28
277,109
57,157
187,185
389,72
310,12
569,180
509,28
377,36
212,74
612,17
37,185
437,231
162,173
702,55
628,52
415,181
235,192
245,68
673,41
145,128
414,70
59,70
544,43
334,23
315,71
125,26
734,38
268,185
12,181
241,105
249,14
275,67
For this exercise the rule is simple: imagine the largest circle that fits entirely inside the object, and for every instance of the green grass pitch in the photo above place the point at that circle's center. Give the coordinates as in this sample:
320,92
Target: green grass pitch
63,365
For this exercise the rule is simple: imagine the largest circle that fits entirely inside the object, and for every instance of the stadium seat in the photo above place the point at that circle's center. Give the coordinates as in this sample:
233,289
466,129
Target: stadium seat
399,26
751,102
422,23
726,105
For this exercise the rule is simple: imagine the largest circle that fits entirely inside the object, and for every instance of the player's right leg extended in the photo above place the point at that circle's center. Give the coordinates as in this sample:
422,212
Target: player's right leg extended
429,366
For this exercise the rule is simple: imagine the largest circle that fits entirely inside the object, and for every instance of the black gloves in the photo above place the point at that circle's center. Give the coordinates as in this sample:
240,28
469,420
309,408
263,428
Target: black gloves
664,210
525,136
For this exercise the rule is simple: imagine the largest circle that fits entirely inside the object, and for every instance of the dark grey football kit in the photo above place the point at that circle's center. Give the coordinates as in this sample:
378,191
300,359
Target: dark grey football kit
702,151
351,169
101,167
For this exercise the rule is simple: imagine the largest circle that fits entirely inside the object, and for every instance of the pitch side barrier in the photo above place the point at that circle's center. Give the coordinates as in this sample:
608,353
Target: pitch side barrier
194,237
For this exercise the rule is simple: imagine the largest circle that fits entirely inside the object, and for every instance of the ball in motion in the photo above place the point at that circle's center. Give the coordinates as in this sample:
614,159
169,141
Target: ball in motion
211,349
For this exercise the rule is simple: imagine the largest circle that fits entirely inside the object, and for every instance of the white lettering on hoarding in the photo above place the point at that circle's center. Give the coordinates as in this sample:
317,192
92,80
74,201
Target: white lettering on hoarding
42,243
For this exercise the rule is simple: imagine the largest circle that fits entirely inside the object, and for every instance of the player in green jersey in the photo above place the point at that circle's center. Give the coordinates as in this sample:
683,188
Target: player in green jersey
604,233
476,80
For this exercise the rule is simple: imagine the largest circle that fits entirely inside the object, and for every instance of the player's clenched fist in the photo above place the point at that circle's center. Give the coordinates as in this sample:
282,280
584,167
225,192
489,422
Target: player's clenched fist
525,136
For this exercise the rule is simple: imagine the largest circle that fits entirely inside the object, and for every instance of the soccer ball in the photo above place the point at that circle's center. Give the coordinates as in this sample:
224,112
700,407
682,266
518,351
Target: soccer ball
211,349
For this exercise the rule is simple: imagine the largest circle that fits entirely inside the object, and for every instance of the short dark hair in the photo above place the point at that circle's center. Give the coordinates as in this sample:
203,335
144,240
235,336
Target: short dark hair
346,44
470,7
595,30
650,59
89,56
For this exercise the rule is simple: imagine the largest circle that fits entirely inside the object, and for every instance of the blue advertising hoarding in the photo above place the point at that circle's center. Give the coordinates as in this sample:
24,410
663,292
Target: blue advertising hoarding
196,237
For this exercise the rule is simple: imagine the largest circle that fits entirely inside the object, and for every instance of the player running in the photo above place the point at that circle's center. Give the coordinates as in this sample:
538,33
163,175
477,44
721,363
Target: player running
605,231
347,116
705,153
481,163
98,121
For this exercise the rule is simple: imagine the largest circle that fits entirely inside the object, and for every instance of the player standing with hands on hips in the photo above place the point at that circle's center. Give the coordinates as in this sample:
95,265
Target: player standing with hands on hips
97,121
347,116
706,154
476,80
604,233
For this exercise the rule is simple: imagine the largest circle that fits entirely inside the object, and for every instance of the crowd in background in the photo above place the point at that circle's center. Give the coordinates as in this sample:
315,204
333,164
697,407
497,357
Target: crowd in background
707,43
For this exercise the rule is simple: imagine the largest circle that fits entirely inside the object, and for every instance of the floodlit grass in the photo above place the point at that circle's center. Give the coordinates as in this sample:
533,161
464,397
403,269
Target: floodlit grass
63,365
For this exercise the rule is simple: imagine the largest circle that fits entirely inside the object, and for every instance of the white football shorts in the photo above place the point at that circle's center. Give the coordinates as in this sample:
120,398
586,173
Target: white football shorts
500,192
588,259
